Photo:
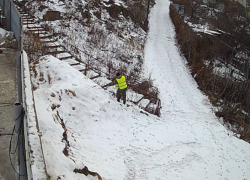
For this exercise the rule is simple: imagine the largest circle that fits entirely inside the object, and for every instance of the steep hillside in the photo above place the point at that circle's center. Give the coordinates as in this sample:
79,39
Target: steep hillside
106,33
216,45
107,36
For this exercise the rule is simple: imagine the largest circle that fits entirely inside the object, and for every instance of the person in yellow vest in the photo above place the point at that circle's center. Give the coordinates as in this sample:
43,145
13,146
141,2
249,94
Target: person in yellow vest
121,86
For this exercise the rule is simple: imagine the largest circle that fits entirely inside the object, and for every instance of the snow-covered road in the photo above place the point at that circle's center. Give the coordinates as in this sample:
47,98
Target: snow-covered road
178,90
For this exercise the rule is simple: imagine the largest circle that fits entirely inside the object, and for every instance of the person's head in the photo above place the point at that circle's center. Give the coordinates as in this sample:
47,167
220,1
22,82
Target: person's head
118,74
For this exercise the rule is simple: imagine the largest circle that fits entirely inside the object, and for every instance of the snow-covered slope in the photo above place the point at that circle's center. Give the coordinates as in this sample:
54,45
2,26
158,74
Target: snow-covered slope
122,142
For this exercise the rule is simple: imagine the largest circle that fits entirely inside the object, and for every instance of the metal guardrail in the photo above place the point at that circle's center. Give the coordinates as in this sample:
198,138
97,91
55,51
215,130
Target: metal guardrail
13,22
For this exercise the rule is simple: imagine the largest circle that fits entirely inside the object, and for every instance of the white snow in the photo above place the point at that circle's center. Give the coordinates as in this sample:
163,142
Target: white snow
35,152
120,142
2,34
203,28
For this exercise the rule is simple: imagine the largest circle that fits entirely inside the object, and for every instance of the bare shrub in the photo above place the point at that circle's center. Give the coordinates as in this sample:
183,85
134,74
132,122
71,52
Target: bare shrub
136,11
145,87
33,69
114,10
232,96
32,45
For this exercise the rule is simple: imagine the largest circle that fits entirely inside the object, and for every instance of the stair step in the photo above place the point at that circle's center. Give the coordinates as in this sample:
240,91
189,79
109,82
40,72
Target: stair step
55,52
44,37
28,23
64,58
75,64
56,46
35,27
95,77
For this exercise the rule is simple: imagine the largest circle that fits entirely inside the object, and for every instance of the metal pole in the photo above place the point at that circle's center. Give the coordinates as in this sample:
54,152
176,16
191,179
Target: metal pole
18,109
10,17
19,75
18,115
3,7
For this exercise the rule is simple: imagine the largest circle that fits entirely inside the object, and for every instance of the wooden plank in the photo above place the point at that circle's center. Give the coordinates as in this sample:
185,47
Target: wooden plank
84,71
158,108
81,70
75,64
44,37
147,106
55,52
36,30
40,32
35,27
27,20
23,13
68,57
139,100
43,41
95,76
56,46
30,29
28,23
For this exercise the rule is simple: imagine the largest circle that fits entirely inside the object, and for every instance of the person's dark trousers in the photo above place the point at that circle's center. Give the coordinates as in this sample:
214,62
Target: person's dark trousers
121,93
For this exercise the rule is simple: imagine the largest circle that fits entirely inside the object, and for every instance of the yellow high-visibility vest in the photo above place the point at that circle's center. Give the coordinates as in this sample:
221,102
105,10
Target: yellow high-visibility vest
121,83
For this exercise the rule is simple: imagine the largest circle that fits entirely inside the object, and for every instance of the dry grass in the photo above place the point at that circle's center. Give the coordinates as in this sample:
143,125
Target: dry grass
49,79
32,45
33,69
68,92
233,97
53,107
41,77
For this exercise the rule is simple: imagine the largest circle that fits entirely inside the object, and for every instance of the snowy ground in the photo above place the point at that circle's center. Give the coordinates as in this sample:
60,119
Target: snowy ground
122,143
